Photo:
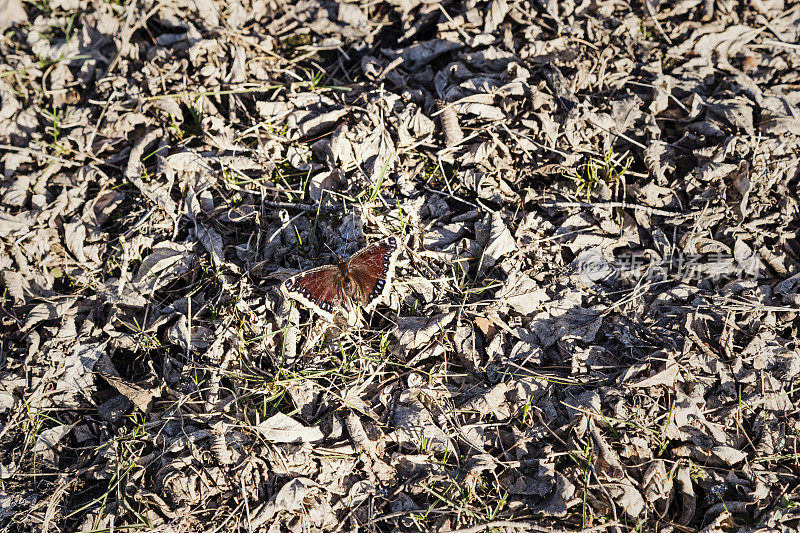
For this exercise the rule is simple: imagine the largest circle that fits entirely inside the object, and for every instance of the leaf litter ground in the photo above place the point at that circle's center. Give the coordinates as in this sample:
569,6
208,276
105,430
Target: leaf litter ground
594,320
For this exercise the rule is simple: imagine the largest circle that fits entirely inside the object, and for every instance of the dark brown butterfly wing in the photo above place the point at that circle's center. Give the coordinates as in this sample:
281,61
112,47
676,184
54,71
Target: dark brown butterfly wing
371,269
318,288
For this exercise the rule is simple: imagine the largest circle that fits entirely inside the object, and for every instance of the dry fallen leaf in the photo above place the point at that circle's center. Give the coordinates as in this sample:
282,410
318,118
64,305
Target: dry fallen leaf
281,428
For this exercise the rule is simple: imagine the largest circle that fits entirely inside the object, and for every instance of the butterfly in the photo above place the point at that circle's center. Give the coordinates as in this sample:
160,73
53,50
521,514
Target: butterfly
363,279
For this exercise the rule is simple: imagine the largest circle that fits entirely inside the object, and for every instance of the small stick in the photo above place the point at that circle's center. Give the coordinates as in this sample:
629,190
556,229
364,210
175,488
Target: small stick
613,205
292,205
450,128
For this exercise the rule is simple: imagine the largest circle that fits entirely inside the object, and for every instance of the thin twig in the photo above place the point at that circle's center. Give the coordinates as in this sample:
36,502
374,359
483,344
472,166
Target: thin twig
456,198
527,526
614,205
651,12
302,207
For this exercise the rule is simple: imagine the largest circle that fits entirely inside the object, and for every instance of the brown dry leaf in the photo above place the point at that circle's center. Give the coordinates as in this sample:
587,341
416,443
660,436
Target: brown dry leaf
468,345
497,241
486,325
493,401
658,489
415,332
415,428
726,43
528,349
539,484
79,367
590,266
46,443
666,377
688,421
142,393
48,311
292,460
610,468
17,286
282,428
522,294
11,12
424,52
167,261
296,495
17,193
325,181
558,502
11,388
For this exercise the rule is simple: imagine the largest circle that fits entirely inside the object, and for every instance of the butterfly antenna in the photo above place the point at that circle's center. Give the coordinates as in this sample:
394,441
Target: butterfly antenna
338,259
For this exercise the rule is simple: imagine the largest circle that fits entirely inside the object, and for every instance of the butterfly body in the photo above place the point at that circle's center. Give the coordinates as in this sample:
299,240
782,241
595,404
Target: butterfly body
363,279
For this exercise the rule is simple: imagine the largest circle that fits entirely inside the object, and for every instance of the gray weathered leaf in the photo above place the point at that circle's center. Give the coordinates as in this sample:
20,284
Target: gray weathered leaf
414,332
282,428
79,367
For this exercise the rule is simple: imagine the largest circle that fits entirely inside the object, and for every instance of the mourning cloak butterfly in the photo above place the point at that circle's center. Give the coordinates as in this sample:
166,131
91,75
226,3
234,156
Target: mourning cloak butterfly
363,279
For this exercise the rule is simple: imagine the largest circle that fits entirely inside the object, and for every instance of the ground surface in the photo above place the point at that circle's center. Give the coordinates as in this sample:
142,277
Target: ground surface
594,318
